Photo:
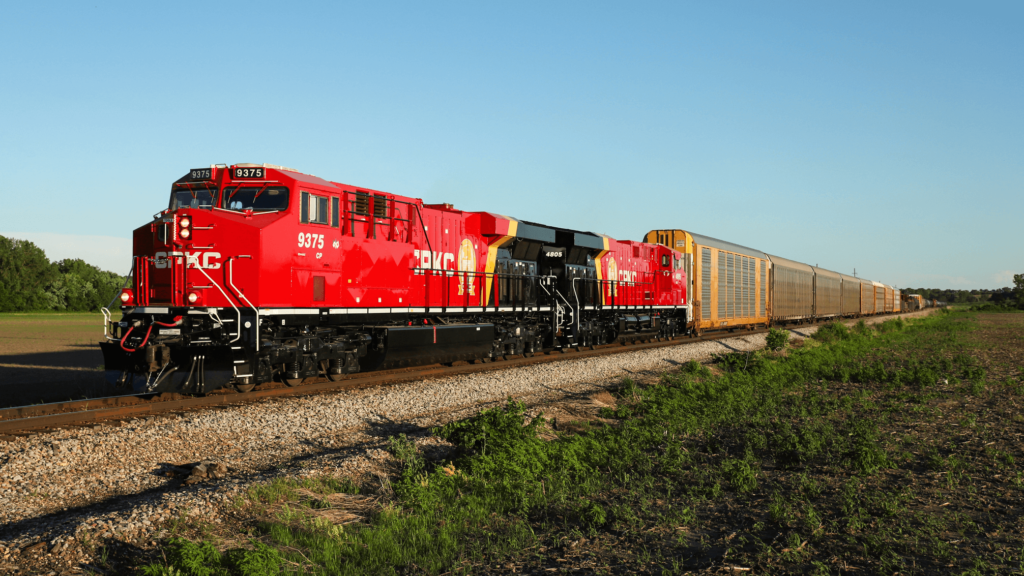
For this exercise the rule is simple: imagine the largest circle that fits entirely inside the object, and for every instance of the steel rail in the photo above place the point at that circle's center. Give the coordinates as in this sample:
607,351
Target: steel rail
27,420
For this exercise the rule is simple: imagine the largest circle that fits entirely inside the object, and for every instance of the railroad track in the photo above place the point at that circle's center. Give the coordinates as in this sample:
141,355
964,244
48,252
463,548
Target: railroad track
33,419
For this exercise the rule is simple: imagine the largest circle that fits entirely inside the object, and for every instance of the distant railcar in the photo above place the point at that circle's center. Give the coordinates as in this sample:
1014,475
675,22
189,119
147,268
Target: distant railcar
792,286
879,292
828,293
851,296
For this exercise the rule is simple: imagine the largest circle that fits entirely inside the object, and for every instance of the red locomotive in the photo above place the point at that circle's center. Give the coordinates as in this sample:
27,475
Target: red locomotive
257,273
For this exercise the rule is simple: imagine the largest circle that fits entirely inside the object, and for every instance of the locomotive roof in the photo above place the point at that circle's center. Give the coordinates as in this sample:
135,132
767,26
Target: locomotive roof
534,231
577,238
723,245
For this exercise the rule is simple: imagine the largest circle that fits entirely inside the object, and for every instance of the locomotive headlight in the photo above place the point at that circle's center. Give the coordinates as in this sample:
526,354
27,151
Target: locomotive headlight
192,297
126,296
185,233
184,222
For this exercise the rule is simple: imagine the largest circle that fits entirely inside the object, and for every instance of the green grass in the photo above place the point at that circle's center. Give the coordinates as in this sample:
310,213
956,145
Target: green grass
783,461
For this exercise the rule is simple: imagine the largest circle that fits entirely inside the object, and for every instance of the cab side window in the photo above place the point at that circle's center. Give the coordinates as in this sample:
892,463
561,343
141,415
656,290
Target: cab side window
314,209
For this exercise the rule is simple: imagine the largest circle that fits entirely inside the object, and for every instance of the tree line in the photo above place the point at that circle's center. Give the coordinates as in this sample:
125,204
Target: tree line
1001,296
29,282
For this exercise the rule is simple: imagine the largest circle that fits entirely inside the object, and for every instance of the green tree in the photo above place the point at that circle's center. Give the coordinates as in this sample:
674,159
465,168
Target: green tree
82,287
24,274
1018,289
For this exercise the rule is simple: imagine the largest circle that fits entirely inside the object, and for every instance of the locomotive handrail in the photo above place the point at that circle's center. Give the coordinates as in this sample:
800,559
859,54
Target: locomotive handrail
254,212
238,328
104,309
578,307
354,216
231,283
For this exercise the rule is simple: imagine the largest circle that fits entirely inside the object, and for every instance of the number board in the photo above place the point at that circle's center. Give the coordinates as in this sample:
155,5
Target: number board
199,174
248,173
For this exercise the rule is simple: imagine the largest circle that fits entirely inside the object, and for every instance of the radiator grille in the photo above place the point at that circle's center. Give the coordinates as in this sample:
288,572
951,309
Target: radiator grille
705,283
747,287
723,287
764,284
730,271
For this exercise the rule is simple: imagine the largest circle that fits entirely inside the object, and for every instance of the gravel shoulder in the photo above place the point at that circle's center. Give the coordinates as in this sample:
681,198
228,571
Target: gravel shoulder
65,491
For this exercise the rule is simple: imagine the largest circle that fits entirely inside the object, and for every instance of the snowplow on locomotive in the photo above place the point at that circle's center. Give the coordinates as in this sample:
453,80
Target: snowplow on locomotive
257,273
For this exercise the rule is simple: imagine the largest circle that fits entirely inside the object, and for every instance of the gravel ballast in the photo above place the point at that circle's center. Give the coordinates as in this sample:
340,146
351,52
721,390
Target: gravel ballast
124,481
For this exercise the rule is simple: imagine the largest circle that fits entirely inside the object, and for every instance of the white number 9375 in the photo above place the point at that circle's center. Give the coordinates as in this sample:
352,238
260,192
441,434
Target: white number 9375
307,240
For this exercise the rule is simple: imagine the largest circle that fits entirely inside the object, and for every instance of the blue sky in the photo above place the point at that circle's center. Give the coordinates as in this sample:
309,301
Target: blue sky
882,137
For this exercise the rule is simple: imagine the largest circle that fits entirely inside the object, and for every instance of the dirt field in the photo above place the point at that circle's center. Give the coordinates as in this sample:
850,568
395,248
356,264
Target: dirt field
50,357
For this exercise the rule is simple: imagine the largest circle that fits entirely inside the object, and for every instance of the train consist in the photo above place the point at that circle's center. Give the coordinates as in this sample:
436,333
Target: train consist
258,273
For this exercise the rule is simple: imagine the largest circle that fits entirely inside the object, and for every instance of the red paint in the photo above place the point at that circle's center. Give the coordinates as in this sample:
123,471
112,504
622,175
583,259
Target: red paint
408,257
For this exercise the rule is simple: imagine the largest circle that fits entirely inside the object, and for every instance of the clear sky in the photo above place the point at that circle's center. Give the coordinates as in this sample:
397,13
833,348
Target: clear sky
886,137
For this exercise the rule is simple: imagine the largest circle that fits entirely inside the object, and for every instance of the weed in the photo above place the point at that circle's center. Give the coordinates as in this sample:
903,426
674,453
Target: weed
738,361
809,486
191,559
696,369
832,332
776,339
741,473
861,328
865,454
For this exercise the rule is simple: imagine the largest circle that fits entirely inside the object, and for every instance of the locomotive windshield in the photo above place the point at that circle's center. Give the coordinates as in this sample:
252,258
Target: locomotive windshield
255,198
185,198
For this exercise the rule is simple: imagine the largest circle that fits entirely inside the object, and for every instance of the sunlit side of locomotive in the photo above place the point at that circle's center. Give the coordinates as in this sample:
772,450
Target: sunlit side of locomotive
257,273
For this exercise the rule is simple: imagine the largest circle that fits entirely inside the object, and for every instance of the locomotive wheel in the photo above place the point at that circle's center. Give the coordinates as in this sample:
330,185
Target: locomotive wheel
335,377
294,381
244,387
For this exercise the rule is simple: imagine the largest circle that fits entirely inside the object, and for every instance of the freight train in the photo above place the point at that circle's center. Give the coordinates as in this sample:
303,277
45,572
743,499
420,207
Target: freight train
258,273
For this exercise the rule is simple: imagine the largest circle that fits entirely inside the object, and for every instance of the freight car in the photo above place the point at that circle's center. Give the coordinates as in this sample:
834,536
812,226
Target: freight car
912,302
797,292
729,282
257,272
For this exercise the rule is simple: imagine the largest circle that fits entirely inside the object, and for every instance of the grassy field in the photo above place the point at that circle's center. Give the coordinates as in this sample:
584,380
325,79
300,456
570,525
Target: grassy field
871,450
50,356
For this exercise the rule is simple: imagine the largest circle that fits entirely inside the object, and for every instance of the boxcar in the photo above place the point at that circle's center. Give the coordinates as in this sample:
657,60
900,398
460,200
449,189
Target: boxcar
896,307
867,297
792,286
851,295
889,293
879,290
728,282
828,293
